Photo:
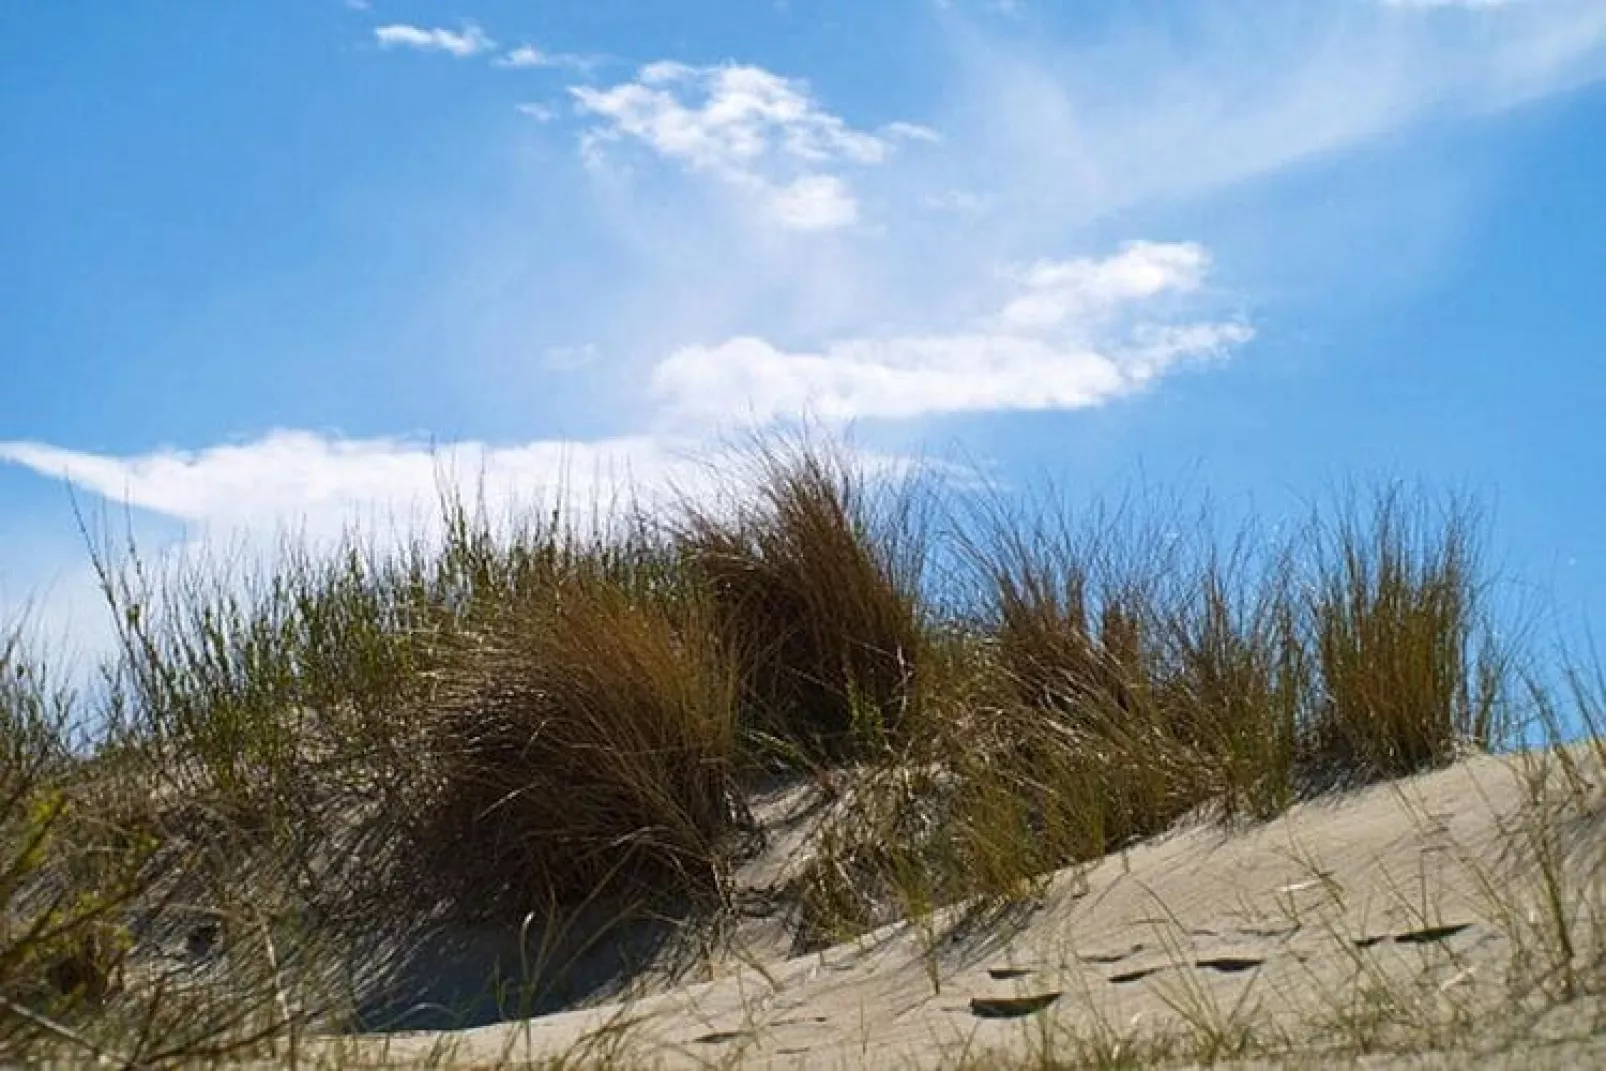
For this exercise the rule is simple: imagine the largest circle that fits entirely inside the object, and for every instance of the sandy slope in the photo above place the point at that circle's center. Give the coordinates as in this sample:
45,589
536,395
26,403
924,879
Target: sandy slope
1402,914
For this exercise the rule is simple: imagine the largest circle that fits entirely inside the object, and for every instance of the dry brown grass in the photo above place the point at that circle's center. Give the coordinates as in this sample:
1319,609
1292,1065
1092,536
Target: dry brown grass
816,586
1407,666
519,718
586,742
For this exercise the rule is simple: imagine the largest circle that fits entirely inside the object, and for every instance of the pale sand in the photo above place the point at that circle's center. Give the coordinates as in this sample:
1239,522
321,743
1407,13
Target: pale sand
1408,909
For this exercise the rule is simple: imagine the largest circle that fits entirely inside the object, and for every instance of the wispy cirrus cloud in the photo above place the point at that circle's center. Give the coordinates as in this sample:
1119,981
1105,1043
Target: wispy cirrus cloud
1185,104
470,40
900,130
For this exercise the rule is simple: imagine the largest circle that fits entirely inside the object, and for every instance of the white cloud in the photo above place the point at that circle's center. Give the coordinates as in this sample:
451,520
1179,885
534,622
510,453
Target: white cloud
757,131
528,56
1042,135
1071,339
740,114
469,41
325,483
901,378
814,202
246,496
911,132
523,56
1054,292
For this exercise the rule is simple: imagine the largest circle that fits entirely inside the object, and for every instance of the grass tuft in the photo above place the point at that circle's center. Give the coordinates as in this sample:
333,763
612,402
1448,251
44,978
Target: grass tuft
815,583
586,741
1407,672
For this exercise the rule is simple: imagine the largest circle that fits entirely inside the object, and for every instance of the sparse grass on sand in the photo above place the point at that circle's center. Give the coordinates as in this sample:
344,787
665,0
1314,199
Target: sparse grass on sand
291,779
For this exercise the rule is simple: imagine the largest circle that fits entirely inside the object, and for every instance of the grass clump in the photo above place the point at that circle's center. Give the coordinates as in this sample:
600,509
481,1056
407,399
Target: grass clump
815,583
586,741
1407,669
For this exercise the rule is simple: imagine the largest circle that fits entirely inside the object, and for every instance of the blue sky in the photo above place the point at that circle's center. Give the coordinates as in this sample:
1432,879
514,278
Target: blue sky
256,261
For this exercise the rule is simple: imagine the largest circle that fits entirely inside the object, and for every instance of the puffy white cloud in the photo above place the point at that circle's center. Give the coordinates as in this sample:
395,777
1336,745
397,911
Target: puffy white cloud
469,41
900,378
761,133
733,117
1075,336
1055,291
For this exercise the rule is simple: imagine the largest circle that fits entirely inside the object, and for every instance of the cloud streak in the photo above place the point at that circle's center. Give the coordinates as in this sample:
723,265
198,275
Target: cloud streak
469,41
325,481
1178,107
526,57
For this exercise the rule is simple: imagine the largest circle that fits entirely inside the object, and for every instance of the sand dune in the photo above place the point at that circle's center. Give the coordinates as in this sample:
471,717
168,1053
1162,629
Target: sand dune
1406,917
